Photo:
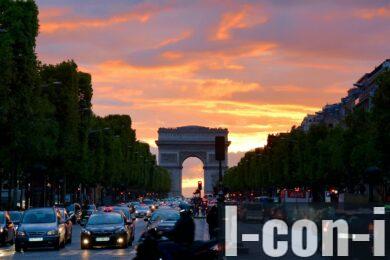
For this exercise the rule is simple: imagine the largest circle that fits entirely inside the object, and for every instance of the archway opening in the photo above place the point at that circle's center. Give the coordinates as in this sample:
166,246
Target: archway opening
192,173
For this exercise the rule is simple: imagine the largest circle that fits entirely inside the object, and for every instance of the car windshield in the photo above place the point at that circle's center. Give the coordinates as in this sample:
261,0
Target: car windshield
15,216
2,217
140,207
105,219
39,216
165,215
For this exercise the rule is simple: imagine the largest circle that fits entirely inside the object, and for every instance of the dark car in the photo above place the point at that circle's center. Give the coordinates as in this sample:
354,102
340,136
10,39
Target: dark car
7,230
40,227
163,221
141,211
15,216
74,210
87,211
106,229
68,224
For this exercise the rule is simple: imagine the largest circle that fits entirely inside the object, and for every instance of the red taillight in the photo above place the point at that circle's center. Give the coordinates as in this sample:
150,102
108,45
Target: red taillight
370,228
108,209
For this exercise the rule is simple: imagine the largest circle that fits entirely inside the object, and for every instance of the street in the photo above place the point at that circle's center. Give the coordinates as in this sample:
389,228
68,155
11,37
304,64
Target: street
73,251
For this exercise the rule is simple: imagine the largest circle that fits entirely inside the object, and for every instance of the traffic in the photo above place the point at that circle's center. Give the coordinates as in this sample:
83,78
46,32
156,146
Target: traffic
164,228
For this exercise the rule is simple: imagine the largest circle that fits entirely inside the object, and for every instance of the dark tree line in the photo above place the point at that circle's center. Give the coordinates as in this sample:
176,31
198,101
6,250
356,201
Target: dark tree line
48,130
324,156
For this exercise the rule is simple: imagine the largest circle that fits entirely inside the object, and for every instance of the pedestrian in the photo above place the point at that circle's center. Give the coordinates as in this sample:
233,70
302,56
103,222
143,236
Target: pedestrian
212,221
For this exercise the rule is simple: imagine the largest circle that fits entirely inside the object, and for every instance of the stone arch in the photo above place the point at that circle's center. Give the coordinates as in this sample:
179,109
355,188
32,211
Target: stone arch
175,145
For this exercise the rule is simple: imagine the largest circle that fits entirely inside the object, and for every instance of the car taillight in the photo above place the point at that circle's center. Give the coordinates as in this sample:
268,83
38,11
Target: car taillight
108,209
370,228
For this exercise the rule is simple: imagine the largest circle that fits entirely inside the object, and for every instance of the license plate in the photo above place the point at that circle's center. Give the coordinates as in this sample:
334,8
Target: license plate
35,239
102,239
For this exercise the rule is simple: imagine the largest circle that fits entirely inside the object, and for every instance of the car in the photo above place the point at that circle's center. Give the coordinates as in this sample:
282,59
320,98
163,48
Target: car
74,210
86,212
141,211
147,202
41,227
15,218
106,229
134,203
7,230
68,224
163,221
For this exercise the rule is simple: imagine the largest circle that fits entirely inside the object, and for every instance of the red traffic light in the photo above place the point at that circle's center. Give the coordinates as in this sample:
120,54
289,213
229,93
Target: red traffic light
199,185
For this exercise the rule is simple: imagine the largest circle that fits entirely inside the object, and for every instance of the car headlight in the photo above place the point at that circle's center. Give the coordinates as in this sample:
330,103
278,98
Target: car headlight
21,233
52,233
136,212
1,229
84,231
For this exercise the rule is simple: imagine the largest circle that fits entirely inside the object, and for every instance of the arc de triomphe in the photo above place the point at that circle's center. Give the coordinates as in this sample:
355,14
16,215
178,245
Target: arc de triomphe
175,145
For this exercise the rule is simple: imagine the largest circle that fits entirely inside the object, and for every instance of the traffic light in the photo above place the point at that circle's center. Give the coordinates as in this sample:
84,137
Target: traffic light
199,185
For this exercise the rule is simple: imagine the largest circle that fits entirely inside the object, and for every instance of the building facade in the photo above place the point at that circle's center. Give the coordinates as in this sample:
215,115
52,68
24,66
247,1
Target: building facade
359,97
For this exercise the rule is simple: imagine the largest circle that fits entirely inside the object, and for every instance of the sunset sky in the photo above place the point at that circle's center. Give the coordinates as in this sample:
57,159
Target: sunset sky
254,67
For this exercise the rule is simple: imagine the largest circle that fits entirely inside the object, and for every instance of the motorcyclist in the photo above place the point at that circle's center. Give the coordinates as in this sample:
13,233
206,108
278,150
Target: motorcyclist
176,248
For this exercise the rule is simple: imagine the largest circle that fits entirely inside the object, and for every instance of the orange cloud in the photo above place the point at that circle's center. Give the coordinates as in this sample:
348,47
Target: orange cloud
50,27
237,20
223,88
50,22
172,55
182,36
368,14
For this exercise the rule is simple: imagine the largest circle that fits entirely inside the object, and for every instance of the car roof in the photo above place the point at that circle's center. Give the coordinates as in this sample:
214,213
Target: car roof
121,207
43,208
166,210
105,213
